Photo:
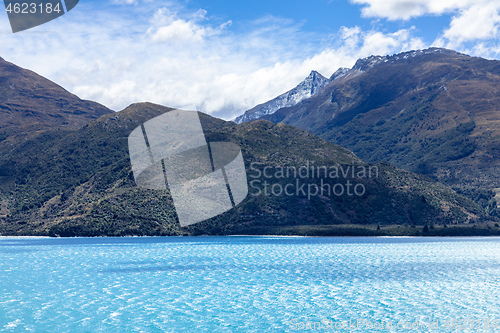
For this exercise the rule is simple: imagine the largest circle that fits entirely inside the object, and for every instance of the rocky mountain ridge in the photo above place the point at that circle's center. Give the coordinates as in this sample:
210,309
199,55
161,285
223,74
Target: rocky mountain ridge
433,111
311,85
29,103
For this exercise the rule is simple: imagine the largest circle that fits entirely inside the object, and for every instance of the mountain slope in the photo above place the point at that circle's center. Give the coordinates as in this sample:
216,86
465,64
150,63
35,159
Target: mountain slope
30,103
64,174
307,88
434,111
80,183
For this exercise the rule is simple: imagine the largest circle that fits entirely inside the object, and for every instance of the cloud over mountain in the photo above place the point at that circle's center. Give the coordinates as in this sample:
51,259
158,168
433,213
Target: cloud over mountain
119,52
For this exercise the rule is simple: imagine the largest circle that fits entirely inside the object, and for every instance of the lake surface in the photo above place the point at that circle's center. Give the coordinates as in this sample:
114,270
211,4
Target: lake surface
250,284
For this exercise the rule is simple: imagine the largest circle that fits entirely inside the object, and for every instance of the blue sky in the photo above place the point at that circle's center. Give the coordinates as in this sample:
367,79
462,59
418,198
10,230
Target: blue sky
224,57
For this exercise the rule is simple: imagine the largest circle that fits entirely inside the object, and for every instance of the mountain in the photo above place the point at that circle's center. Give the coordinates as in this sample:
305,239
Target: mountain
29,103
311,86
307,88
433,111
78,181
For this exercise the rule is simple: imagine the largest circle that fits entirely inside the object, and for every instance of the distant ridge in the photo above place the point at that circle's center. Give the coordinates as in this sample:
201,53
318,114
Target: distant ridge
433,111
30,103
311,85
315,82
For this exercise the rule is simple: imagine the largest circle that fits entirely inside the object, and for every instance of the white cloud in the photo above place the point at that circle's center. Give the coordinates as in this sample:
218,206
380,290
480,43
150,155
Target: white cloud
476,22
406,9
180,31
168,27
166,57
357,43
473,20
176,58
125,2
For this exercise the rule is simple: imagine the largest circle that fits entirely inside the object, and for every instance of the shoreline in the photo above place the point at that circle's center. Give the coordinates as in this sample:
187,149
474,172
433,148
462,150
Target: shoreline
299,231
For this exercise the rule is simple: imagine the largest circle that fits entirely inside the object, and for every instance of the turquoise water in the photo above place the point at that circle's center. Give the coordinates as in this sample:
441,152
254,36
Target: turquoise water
250,284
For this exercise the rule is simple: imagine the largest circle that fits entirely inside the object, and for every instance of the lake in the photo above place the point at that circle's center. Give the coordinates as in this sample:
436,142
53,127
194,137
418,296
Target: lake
249,284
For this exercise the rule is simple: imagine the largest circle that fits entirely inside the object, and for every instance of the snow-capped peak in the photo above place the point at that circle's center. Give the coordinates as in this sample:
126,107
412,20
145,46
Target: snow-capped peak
311,85
315,82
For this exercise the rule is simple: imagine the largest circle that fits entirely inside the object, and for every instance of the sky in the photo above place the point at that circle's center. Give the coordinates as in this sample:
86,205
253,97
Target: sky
223,57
